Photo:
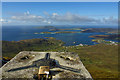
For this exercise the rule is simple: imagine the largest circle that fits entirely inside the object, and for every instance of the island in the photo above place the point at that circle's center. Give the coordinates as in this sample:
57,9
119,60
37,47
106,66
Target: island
65,32
109,37
45,27
56,29
46,33
106,30
58,32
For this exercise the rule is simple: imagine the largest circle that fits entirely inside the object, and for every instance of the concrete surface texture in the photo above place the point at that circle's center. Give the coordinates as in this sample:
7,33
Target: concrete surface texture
69,66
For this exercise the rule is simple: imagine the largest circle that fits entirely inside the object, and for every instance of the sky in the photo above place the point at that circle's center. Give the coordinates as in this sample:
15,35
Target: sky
59,13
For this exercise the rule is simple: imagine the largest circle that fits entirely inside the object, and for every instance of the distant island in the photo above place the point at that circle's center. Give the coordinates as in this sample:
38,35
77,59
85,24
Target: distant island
56,29
57,32
66,32
83,30
109,37
45,32
107,30
45,27
52,28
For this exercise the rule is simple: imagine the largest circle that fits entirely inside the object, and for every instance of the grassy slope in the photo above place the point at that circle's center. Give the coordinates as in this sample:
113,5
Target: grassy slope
101,60
10,49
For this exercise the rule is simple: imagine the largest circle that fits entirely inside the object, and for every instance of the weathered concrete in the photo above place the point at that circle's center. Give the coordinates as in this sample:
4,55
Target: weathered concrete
26,58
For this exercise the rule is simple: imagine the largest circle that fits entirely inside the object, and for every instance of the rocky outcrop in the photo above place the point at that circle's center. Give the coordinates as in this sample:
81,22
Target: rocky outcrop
69,63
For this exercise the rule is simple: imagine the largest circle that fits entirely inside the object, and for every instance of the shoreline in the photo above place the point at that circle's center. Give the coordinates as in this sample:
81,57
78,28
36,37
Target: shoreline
96,40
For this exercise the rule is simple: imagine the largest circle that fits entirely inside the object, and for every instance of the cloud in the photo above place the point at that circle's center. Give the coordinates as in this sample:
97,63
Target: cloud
56,18
49,22
27,18
30,18
78,19
72,18
1,20
4,21
110,20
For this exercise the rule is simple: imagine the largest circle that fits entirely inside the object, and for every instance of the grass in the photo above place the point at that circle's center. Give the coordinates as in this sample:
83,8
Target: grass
101,60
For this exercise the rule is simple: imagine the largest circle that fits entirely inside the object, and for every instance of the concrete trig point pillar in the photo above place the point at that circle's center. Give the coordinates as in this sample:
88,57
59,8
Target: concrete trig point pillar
37,59
47,56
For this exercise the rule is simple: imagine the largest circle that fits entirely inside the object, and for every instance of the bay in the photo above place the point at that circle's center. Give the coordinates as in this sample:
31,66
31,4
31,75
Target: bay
17,33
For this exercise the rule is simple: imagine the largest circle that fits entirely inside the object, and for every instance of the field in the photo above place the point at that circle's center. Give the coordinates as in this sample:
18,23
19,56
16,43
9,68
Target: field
101,60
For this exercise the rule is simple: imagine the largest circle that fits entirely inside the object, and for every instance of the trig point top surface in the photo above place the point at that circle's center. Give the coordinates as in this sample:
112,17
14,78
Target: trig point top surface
69,63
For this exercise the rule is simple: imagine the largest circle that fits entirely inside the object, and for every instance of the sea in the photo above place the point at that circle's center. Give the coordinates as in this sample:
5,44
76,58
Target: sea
16,33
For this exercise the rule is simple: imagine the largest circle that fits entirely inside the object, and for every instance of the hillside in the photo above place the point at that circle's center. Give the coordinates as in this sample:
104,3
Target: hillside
11,48
101,60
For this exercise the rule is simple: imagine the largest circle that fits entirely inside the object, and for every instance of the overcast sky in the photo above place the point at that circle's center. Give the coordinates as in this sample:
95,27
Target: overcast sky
56,13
